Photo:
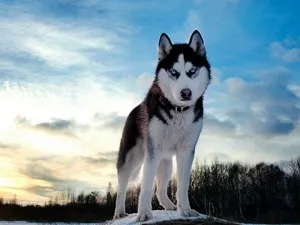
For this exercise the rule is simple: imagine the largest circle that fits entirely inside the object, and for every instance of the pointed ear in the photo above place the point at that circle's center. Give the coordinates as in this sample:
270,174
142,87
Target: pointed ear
196,43
164,46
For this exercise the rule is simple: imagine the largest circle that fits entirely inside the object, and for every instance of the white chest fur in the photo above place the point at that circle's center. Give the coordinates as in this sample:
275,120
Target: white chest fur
179,134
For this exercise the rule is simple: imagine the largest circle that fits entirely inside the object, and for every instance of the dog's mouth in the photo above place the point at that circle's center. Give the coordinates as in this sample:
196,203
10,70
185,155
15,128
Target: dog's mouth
185,99
185,102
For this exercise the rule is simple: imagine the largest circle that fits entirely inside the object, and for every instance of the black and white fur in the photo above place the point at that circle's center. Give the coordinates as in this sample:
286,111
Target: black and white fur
168,122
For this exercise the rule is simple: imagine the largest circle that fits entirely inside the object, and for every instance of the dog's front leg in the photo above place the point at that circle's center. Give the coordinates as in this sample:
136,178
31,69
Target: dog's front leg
150,168
184,160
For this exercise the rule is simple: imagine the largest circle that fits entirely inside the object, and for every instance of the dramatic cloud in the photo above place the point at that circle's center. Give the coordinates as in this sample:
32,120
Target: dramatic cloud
41,190
252,119
60,44
265,107
51,174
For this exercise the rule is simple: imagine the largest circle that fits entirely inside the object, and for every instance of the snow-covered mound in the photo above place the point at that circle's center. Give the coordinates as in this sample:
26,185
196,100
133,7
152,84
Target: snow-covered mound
42,223
158,215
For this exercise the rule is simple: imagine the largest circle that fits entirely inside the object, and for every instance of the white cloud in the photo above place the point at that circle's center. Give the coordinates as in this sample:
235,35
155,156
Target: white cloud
234,83
266,107
144,81
79,101
252,121
295,89
60,68
216,75
58,43
280,51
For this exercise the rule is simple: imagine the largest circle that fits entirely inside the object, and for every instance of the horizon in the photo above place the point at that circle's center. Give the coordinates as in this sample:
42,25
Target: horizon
70,73
63,197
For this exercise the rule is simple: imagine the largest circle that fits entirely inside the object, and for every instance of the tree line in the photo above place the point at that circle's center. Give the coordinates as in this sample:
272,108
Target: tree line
261,193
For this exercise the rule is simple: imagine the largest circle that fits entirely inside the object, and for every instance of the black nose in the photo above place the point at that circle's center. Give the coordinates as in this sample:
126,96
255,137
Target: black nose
186,94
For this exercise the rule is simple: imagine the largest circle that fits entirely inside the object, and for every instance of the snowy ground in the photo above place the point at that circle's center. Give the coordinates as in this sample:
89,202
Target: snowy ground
54,223
159,215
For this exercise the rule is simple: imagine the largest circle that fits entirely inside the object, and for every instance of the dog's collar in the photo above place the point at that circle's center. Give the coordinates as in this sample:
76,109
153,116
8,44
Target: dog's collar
180,109
176,108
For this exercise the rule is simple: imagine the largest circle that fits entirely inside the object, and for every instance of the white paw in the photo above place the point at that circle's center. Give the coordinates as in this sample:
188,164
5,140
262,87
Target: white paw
189,213
169,206
144,216
120,215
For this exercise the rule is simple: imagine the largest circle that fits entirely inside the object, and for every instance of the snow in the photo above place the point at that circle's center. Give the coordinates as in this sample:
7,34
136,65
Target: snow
159,215
42,223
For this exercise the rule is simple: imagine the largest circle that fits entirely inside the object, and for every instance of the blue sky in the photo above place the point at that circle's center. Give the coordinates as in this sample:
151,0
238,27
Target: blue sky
71,71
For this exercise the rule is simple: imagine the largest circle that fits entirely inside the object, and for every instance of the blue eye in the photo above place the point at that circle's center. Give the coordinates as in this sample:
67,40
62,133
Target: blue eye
173,72
193,70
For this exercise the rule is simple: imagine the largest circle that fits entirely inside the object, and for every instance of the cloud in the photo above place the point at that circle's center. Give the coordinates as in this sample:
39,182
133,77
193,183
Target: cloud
41,172
63,126
235,83
55,66
101,158
47,175
57,124
144,81
51,64
4,146
216,75
40,190
252,118
281,50
265,107
214,126
57,44
295,89
115,123
111,121
64,43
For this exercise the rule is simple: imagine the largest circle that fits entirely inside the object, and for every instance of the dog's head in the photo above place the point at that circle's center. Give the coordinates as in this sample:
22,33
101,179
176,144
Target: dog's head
183,71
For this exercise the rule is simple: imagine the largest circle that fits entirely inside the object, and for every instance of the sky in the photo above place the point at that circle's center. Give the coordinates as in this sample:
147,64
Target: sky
71,71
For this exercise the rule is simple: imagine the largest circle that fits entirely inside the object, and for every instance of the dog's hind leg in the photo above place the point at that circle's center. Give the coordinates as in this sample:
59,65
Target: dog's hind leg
123,179
163,176
151,162
125,174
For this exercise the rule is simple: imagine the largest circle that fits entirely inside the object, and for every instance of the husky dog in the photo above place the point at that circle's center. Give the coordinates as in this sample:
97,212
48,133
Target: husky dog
168,122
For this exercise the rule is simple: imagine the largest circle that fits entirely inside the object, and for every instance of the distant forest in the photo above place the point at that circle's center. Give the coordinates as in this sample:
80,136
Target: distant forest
261,193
